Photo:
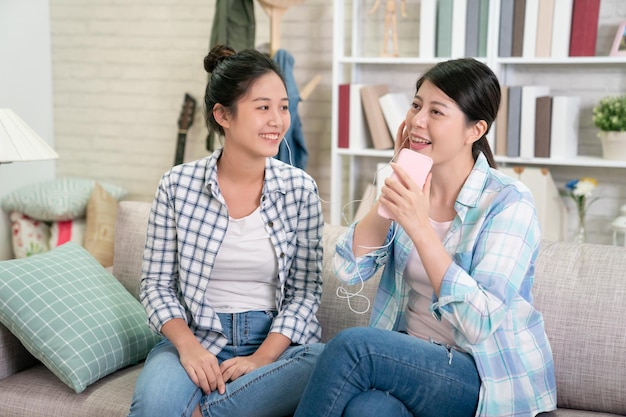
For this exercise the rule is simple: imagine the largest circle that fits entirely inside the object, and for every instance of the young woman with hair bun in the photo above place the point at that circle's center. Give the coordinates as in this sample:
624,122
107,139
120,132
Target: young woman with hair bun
233,260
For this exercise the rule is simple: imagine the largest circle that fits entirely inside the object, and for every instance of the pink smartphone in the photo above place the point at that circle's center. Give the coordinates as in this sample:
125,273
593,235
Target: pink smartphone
416,165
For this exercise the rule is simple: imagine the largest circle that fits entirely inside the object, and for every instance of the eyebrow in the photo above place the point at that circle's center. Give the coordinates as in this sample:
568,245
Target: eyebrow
269,99
440,103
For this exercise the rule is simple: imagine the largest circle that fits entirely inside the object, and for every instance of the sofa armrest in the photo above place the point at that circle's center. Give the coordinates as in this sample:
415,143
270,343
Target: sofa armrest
334,313
13,356
580,290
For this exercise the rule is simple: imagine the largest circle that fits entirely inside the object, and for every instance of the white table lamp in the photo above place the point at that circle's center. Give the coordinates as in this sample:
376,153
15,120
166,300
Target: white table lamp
18,142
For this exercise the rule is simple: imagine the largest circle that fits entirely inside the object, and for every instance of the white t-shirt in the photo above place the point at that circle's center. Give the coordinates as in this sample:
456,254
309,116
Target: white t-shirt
245,272
420,322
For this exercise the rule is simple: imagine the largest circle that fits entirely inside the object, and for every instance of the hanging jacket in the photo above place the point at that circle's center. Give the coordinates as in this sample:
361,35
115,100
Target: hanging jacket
233,24
294,136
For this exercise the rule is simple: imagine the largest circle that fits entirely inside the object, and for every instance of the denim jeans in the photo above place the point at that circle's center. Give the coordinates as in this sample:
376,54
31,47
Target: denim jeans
365,372
164,389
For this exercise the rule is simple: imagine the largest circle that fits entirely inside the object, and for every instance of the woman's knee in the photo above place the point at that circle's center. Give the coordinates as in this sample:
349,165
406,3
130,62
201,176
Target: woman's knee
375,403
161,379
352,334
349,338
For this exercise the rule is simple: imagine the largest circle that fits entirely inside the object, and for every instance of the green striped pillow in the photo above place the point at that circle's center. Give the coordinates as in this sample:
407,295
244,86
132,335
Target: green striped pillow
56,200
73,315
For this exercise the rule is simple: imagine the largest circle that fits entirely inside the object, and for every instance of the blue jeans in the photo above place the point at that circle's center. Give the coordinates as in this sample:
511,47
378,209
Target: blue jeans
365,371
164,389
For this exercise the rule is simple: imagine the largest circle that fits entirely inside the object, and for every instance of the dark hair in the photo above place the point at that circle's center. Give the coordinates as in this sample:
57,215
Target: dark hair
475,89
231,74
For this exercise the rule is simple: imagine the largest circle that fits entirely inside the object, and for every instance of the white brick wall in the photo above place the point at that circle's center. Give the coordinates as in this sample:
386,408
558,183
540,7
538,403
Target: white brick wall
121,69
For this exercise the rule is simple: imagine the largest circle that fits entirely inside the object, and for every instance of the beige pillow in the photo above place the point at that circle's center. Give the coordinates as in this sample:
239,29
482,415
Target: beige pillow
100,229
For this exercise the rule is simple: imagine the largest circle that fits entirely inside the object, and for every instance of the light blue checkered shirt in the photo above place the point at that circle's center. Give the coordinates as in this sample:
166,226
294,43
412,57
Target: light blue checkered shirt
186,227
485,294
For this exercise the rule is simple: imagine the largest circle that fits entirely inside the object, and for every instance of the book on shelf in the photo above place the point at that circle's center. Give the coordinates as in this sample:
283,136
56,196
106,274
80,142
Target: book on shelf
472,23
501,122
360,137
428,24
530,28
518,22
459,12
343,116
513,121
564,127
483,25
395,107
584,30
543,121
366,202
561,28
545,19
527,118
527,28
505,45
381,139
443,39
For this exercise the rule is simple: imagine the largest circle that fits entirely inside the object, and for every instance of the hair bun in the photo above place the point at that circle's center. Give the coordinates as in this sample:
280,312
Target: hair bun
217,54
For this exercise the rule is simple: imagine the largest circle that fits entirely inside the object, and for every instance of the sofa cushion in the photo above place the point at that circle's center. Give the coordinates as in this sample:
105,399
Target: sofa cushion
56,200
37,392
342,306
73,315
130,240
580,289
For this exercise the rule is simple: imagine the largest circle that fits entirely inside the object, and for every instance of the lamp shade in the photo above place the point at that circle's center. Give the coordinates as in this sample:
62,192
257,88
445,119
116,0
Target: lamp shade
18,142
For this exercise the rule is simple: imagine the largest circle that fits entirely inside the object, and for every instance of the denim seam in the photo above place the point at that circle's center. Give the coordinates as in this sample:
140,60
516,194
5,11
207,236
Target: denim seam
340,390
394,359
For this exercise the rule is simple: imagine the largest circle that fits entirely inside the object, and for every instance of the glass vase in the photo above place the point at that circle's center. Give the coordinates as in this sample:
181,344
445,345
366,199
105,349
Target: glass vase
581,231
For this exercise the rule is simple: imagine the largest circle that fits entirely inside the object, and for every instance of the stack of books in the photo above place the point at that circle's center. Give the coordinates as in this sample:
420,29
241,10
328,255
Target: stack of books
531,123
369,116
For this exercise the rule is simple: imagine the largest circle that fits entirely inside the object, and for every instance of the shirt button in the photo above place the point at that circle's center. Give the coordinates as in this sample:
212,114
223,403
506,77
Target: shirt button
270,224
282,254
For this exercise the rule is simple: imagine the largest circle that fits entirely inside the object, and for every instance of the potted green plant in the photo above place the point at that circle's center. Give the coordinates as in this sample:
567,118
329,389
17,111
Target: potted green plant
609,115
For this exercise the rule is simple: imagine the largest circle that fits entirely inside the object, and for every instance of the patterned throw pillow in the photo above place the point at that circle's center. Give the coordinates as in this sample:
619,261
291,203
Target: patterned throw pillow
56,200
67,231
73,315
29,236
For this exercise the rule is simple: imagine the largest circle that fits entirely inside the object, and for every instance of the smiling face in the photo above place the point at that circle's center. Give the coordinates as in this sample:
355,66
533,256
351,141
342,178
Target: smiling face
260,120
438,128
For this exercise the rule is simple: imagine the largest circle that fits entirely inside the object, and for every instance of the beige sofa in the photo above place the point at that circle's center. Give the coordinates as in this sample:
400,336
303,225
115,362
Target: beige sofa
581,290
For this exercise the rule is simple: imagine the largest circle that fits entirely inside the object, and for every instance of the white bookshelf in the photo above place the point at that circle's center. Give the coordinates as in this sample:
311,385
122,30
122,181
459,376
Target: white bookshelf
356,60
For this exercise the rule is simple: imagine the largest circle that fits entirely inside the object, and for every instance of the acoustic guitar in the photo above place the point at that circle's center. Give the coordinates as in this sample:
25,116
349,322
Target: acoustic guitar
185,120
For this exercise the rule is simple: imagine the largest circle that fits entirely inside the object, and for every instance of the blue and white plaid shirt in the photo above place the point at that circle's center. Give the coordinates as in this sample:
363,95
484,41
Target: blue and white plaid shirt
186,227
485,294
